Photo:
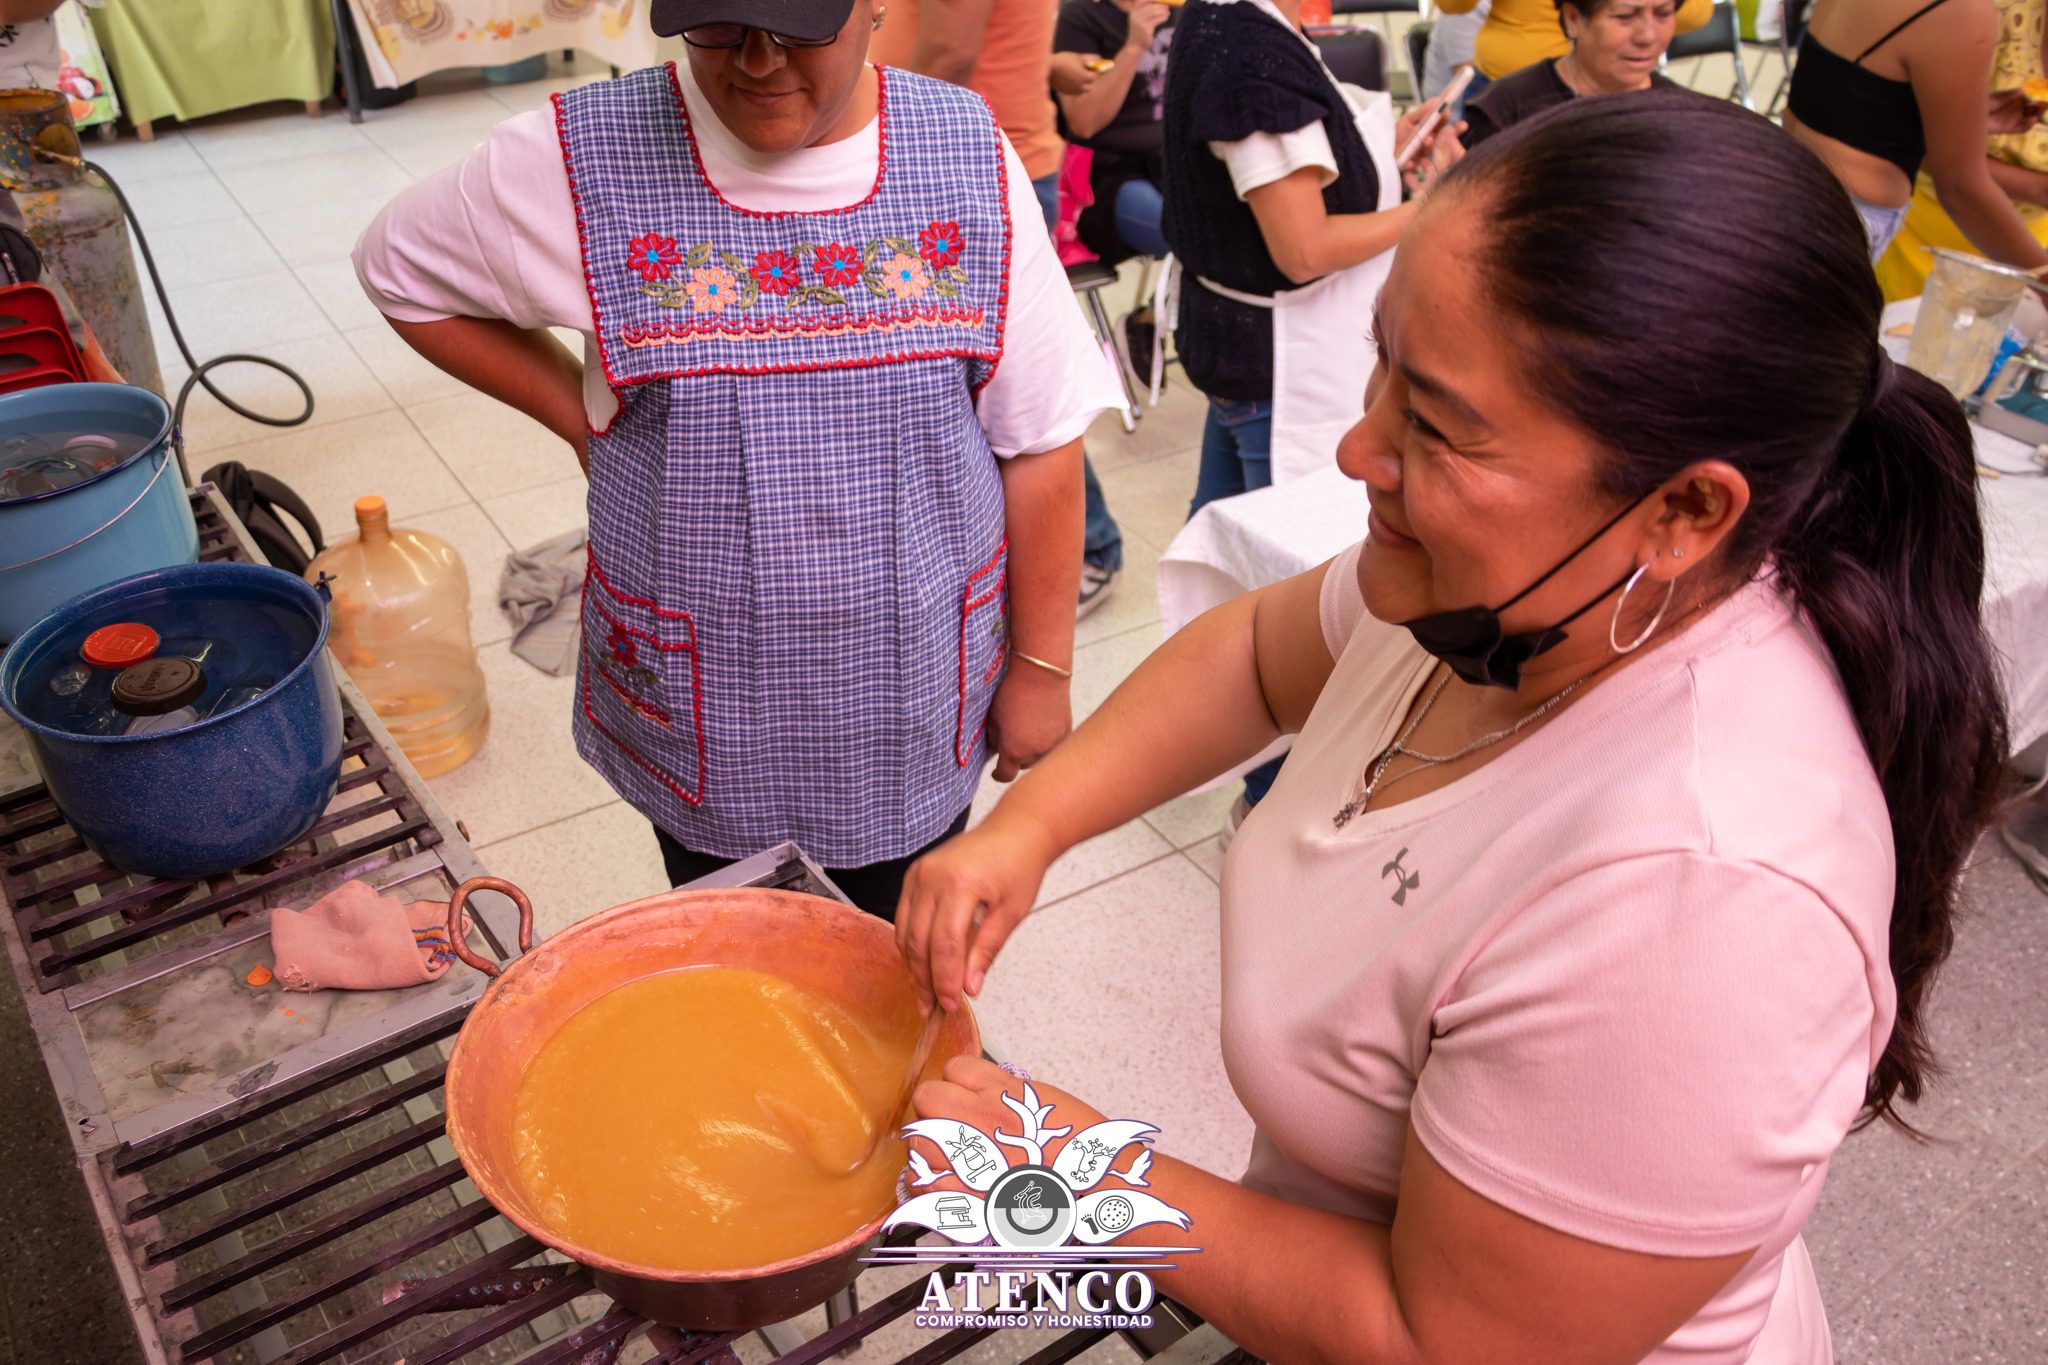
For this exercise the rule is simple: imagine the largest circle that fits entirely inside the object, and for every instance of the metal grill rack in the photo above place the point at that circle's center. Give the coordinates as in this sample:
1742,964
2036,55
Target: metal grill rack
273,1186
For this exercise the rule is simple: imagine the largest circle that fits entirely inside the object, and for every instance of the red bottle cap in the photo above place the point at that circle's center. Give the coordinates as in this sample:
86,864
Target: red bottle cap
118,646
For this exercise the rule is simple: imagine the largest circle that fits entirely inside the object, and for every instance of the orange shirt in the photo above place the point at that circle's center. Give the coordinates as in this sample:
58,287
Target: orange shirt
1012,73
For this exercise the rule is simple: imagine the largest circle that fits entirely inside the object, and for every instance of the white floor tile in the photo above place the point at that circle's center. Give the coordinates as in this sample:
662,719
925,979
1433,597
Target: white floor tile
1100,668
1208,855
332,466
1152,497
131,160
1133,598
475,538
573,869
542,512
312,233
1175,425
492,448
279,135
334,287
342,385
538,94
1187,821
406,375
247,314
528,773
1114,994
207,253
437,113
420,157
1090,863
177,198
343,175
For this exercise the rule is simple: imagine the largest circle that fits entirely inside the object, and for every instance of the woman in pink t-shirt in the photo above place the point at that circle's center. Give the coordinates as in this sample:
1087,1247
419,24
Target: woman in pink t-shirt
1639,748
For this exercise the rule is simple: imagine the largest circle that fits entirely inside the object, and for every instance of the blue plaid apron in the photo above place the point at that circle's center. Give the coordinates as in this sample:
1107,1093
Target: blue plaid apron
794,618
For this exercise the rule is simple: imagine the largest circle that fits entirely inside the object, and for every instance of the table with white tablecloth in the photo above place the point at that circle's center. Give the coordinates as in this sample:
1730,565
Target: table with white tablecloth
1262,537
403,40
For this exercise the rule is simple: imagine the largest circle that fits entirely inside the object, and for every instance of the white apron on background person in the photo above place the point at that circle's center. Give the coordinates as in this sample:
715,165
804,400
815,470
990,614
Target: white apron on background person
1322,332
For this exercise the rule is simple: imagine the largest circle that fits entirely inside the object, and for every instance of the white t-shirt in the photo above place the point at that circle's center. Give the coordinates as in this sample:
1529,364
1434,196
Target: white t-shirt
494,235
1628,979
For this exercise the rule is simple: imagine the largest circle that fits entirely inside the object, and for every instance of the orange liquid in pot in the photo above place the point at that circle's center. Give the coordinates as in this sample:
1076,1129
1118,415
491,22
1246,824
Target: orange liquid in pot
701,1119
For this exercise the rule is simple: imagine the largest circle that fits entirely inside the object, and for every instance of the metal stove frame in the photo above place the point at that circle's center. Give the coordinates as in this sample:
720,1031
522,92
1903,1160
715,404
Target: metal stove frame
310,1208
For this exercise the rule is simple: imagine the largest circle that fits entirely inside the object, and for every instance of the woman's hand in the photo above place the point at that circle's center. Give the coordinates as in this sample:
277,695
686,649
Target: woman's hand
1032,711
2011,111
1438,153
1071,74
962,900
1146,17
972,1092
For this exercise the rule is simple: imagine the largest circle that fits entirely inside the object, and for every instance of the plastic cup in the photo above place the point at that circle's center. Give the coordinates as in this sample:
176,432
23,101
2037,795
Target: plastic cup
1964,312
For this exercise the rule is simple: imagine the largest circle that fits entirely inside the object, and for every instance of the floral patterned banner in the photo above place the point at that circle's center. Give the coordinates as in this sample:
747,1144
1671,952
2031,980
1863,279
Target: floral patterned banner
403,40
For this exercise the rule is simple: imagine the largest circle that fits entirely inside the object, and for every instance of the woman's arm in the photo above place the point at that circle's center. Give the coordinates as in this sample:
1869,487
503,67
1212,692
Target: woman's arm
2019,182
1090,112
949,34
1209,698
1949,64
1306,240
526,370
1457,1279
1033,710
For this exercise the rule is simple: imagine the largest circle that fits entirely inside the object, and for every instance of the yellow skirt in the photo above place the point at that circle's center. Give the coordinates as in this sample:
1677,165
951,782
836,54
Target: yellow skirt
1902,270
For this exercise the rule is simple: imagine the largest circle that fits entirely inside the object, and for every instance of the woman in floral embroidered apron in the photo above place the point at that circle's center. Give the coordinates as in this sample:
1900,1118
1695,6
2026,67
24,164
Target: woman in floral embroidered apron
817,543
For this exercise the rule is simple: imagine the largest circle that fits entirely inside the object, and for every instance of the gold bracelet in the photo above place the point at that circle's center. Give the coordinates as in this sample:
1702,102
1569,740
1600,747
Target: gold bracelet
1017,653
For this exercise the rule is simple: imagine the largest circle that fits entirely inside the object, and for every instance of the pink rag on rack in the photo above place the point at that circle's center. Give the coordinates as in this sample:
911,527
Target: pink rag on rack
353,939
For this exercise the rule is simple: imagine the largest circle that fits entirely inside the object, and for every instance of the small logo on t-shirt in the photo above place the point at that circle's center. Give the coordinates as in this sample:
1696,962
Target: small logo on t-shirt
1404,880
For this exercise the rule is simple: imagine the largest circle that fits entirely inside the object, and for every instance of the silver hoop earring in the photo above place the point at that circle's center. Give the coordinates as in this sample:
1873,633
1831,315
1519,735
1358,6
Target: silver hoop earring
1615,625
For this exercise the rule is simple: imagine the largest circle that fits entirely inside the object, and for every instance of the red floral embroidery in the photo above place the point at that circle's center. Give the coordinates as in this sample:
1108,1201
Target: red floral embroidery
624,648
653,256
777,272
940,245
839,264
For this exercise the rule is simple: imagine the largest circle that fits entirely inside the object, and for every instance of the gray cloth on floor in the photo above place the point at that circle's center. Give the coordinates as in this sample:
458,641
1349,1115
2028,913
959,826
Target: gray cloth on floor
542,591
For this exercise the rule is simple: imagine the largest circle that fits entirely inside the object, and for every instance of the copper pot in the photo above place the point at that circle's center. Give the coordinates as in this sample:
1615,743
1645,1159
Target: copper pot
818,944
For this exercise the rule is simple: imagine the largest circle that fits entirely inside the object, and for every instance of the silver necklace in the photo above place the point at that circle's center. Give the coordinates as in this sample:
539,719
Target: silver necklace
1399,747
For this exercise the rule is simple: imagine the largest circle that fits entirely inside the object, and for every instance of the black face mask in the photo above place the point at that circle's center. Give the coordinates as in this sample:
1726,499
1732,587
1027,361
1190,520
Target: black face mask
1470,639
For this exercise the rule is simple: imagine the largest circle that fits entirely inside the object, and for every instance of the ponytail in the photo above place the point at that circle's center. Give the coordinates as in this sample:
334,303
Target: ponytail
1690,285
1887,562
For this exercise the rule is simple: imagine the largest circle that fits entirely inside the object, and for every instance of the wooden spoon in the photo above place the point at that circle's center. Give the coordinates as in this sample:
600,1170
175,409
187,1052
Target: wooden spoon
919,1055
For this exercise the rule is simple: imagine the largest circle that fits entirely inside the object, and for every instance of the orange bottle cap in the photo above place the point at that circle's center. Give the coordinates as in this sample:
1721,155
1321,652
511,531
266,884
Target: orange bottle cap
119,645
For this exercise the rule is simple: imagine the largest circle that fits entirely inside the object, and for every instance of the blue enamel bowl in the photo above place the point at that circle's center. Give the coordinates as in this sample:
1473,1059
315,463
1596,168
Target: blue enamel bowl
223,791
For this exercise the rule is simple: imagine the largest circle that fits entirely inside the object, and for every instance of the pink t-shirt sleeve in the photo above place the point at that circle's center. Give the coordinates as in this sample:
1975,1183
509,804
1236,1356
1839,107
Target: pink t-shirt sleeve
1572,1058
492,236
1342,603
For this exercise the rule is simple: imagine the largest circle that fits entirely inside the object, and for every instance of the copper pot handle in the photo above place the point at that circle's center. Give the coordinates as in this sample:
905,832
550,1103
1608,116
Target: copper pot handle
461,898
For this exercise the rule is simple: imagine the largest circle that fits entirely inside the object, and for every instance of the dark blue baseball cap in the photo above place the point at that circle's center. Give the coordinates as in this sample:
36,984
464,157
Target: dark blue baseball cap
815,20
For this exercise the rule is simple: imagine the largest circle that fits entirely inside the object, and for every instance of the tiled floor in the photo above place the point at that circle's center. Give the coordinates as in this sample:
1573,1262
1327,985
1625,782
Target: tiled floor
1928,1253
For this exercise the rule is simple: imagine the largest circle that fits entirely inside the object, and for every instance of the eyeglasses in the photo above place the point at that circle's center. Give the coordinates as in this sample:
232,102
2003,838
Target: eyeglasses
734,35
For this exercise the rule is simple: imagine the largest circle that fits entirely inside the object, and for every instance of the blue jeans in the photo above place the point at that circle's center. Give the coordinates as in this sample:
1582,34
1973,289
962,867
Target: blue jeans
1237,450
1237,457
1102,543
1139,208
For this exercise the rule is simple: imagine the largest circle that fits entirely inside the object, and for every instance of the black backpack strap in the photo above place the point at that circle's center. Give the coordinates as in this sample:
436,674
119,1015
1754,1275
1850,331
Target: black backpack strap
256,498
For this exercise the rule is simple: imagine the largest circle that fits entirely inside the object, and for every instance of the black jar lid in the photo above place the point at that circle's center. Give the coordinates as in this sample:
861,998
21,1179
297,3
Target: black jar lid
156,686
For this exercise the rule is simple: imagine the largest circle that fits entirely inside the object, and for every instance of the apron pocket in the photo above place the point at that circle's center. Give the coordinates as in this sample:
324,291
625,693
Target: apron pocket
984,648
641,685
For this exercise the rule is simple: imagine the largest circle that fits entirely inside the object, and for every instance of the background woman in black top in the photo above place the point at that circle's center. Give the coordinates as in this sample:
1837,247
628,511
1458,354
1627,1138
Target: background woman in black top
1913,91
1616,45
1119,118
1283,218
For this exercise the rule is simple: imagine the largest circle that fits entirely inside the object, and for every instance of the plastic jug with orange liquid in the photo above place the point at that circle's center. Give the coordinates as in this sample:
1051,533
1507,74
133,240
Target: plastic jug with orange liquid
400,626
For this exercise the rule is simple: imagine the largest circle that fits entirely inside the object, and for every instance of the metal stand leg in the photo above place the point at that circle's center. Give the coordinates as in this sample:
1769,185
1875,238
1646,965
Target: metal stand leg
1099,317
1742,78
781,1337
842,1305
346,47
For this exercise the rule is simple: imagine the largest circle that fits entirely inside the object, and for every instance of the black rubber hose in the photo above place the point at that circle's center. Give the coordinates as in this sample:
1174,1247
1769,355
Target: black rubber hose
199,376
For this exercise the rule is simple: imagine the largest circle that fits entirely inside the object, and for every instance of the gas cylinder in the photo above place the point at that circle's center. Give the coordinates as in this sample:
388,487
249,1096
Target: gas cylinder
76,223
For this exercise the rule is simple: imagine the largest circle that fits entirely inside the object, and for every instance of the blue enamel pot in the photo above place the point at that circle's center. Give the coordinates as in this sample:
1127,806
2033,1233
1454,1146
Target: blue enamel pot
89,492
243,766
